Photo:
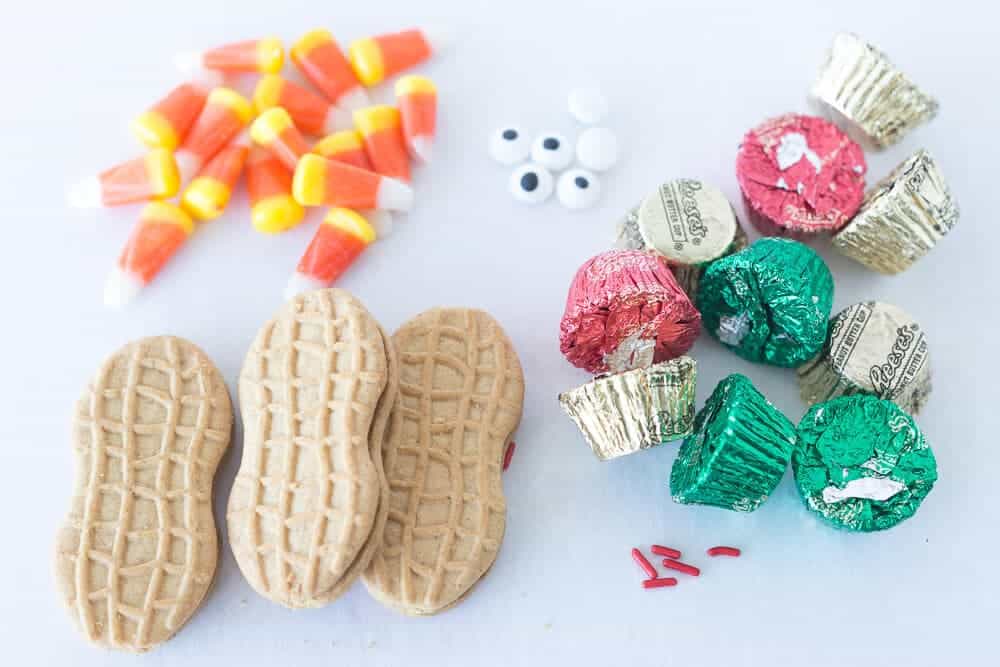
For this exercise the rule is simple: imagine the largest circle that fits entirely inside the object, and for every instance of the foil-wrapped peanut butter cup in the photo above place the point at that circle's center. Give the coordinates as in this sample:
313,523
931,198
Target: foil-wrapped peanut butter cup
769,303
627,235
860,87
902,218
872,348
738,453
861,463
626,412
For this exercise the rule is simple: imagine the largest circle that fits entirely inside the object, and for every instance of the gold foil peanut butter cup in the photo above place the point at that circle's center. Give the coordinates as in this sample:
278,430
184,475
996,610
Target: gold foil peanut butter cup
873,348
626,412
902,218
861,87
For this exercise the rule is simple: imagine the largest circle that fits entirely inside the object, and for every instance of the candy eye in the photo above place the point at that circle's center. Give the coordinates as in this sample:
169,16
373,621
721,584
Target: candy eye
509,145
552,151
531,183
578,188
597,148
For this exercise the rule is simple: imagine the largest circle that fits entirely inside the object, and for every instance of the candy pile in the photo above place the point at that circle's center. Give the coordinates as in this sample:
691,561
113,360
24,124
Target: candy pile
578,187
203,134
670,561
681,260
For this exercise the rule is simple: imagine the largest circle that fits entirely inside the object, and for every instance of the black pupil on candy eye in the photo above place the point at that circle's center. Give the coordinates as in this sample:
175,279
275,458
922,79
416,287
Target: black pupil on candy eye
581,182
529,181
510,135
551,144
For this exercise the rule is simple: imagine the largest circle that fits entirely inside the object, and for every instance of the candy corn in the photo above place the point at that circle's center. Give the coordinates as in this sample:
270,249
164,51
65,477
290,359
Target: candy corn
269,183
319,181
153,176
226,112
382,130
256,55
338,242
417,100
208,194
347,147
166,123
275,131
375,59
311,113
321,61
162,229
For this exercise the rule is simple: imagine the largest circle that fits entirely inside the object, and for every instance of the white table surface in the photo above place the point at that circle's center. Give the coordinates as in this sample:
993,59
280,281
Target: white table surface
685,82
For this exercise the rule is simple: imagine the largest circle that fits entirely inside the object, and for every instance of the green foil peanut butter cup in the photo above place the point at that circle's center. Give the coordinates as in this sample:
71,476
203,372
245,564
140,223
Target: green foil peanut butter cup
861,463
769,303
738,453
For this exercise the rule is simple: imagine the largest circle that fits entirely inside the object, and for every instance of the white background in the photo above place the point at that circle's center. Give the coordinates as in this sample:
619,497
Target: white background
685,82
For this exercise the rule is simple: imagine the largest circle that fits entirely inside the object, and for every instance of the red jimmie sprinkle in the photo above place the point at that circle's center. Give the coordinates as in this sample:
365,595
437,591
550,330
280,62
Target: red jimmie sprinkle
800,175
625,310
508,455
672,564
723,551
665,551
659,583
644,563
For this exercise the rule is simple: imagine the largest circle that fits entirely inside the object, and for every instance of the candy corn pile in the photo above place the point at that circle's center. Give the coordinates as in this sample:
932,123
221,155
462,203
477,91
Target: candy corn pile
203,134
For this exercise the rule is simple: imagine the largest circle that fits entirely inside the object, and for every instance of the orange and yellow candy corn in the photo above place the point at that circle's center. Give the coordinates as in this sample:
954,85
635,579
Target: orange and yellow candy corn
152,176
265,56
162,230
209,193
347,147
225,114
275,131
416,97
166,123
269,184
339,240
319,181
382,131
375,59
311,113
319,58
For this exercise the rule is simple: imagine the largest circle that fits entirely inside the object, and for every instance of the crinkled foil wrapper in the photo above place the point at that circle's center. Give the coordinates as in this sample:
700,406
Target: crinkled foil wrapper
769,303
864,90
738,453
800,176
627,236
861,463
627,412
872,348
625,310
902,219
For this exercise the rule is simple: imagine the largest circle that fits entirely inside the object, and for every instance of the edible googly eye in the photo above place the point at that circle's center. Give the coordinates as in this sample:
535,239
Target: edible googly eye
597,148
588,105
578,188
509,145
552,151
531,183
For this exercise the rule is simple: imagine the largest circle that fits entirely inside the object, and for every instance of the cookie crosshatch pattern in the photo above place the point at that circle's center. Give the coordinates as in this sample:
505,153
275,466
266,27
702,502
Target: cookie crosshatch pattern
461,392
138,551
304,501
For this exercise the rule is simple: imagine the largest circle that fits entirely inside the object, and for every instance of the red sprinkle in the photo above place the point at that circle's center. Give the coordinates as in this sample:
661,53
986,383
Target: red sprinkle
644,563
723,551
665,551
659,583
671,564
509,455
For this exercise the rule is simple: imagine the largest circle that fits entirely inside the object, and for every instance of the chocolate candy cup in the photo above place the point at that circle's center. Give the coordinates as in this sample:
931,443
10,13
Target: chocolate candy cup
873,348
625,310
624,413
902,219
738,453
800,175
861,463
859,86
769,303
627,236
